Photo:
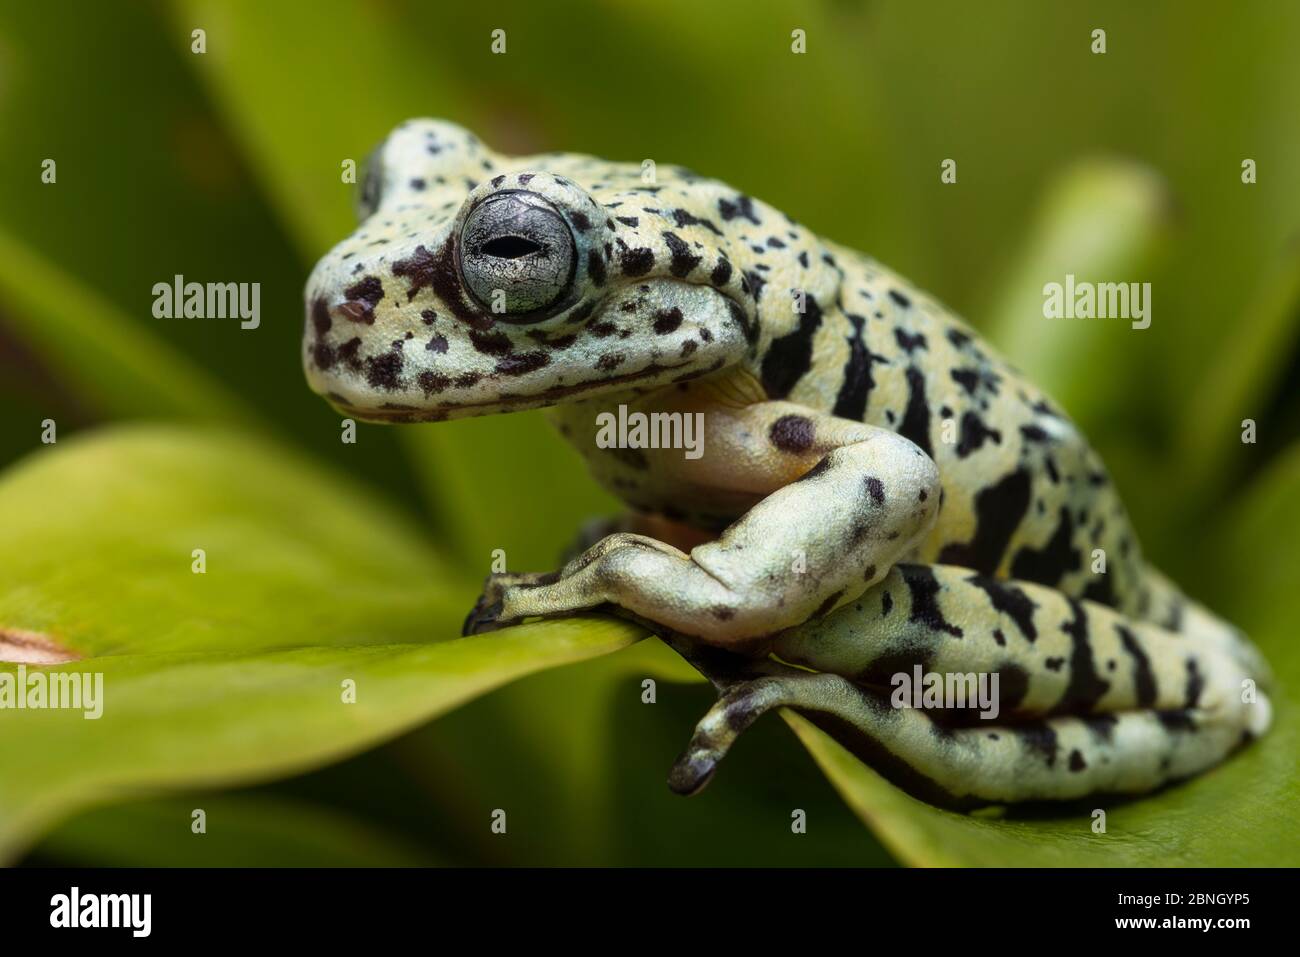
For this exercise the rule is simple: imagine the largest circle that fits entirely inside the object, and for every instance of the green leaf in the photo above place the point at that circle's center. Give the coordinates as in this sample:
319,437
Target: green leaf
295,145
1238,382
1101,221
234,674
114,366
242,830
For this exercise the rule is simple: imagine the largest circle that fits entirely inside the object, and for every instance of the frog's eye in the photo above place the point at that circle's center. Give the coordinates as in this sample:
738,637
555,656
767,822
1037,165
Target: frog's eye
372,182
518,243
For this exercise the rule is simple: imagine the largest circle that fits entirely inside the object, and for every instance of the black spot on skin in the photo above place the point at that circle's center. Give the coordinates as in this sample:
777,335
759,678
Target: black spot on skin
596,267
916,418
1033,433
1085,687
868,573
886,604
491,343
1174,621
525,179
721,273
428,316
908,342
899,298
828,604
1013,685
580,220
688,348
582,312
753,283
722,613
384,371
667,320
682,261
958,338
418,184
637,262
437,344
497,181
741,206
349,353
522,363
1101,590
422,268
1010,601
682,218
1076,761
610,361
1048,565
855,390
323,355
1050,464
1195,684
1054,664
368,293
431,382
999,509
968,379
1175,721
790,357
1039,738
792,433
924,588
633,458
973,435
628,221
999,637
876,489
602,329
320,317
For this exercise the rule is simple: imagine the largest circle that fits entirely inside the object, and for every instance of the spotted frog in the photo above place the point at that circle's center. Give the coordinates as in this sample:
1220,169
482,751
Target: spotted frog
877,495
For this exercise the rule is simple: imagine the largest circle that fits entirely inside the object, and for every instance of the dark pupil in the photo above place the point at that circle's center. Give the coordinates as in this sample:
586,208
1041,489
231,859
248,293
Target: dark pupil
509,247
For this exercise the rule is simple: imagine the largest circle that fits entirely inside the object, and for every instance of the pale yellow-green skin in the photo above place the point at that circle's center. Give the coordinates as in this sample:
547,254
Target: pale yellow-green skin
878,489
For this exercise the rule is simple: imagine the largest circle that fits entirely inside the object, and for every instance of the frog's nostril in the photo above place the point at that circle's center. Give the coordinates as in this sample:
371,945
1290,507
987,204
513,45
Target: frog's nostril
510,247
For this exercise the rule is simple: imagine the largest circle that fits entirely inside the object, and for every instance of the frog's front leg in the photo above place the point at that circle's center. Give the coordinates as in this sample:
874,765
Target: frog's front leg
846,501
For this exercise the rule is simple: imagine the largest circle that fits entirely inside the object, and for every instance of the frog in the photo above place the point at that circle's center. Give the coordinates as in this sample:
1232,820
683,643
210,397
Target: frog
876,494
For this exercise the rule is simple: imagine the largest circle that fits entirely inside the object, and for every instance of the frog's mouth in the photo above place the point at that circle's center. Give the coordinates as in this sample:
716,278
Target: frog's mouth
653,376
634,339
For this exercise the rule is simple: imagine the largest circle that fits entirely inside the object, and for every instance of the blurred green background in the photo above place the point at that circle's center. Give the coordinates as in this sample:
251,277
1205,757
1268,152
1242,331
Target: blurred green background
225,166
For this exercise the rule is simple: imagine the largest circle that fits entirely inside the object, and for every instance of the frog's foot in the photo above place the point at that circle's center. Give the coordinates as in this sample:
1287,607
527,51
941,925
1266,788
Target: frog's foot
485,616
739,707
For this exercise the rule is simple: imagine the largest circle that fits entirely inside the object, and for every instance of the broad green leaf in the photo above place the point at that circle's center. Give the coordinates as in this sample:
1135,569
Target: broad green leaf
234,674
1240,379
242,830
1101,221
358,71
114,366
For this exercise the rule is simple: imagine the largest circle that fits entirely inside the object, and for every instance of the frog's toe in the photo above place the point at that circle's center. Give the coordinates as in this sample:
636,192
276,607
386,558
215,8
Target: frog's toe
738,708
485,616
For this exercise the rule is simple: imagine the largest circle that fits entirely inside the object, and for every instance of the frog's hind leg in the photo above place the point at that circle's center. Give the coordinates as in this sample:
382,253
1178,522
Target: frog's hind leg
1083,700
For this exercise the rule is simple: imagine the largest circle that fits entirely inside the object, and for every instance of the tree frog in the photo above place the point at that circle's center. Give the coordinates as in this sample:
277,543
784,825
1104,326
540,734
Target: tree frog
877,496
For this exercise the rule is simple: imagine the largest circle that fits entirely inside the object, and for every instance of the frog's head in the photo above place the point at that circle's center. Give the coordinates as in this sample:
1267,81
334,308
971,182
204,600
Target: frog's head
478,283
